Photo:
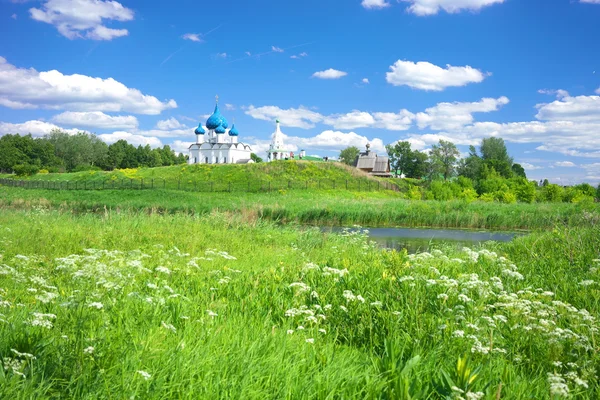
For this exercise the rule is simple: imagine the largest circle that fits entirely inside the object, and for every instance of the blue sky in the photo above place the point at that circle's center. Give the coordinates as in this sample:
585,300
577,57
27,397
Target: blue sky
336,73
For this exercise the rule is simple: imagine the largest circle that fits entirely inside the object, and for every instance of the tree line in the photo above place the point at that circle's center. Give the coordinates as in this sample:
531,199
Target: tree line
61,152
488,173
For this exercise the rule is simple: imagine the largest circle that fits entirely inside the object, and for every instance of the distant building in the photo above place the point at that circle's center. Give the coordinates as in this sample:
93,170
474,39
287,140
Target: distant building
216,144
277,150
372,163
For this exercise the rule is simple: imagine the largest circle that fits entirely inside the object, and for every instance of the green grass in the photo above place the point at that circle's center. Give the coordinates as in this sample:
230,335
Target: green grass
222,177
316,207
123,295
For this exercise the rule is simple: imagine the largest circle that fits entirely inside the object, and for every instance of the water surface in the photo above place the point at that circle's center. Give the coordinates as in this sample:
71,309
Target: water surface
418,239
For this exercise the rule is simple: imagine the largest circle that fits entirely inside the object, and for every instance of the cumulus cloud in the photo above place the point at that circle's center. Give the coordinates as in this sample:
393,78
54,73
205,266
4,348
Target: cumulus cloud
568,108
375,4
431,7
590,1
400,121
194,37
333,140
131,138
455,115
83,19
566,164
530,167
36,128
426,76
229,107
96,119
167,124
365,81
598,91
300,117
22,88
351,120
329,74
277,49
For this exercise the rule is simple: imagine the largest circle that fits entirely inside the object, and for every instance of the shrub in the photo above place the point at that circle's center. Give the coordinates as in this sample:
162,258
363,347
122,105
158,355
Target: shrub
25,169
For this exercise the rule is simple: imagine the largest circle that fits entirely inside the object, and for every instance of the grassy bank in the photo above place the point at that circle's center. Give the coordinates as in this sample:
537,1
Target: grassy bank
150,306
316,207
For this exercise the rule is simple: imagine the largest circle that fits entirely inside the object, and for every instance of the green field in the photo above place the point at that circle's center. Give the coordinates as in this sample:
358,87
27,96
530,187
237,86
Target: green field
124,305
315,207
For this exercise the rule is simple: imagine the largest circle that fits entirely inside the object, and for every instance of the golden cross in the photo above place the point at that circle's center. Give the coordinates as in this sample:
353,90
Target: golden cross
217,98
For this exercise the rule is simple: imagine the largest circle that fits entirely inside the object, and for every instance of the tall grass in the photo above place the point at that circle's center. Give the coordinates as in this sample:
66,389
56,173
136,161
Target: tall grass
124,305
317,207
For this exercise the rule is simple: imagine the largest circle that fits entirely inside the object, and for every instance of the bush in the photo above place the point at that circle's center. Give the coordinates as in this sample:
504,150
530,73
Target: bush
25,169
84,167
43,171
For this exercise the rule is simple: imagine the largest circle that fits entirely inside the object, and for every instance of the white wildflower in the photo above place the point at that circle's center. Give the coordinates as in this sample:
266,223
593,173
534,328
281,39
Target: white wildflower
458,333
212,313
163,270
168,326
290,331
323,331
144,375
96,305
88,350
310,340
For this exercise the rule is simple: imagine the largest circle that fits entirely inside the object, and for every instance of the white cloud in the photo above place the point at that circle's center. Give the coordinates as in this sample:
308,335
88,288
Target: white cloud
598,91
365,81
180,146
96,119
351,120
400,121
579,108
530,167
83,19
431,7
229,107
36,128
221,55
133,139
293,117
455,115
168,124
558,93
248,53
590,1
329,74
22,88
301,55
14,16
277,49
334,140
566,164
194,37
375,4
426,76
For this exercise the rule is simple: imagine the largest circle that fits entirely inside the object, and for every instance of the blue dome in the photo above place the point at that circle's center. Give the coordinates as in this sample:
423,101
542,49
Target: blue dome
233,131
199,130
216,119
220,129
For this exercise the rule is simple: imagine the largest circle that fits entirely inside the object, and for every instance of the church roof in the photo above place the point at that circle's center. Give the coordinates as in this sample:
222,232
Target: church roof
199,130
233,131
216,119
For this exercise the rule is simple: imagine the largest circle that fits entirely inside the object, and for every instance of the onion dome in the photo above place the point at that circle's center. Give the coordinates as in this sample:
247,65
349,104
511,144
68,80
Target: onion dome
216,119
220,129
199,130
233,131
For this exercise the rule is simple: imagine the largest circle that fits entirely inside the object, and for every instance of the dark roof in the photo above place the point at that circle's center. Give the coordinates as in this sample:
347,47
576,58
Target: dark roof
381,165
244,161
366,161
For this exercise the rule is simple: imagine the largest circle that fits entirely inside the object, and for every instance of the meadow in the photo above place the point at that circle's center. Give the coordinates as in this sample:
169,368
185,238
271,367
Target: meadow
131,305
315,207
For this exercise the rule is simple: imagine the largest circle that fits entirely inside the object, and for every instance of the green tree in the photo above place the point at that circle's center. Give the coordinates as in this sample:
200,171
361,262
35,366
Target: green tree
255,158
349,154
598,192
401,156
419,166
470,166
79,149
494,154
443,158
519,171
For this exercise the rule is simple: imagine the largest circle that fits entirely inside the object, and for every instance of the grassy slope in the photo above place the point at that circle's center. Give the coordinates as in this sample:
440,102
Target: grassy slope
316,207
300,171
245,352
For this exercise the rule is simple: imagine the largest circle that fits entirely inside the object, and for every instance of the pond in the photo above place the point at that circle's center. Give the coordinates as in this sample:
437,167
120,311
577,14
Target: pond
419,240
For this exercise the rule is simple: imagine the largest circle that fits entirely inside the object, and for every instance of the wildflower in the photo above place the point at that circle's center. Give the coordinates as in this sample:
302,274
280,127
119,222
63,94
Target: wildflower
46,297
168,326
323,331
343,308
26,355
152,286
314,295
310,340
586,282
301,287
474,395
290,331
164,270
300,328
442,296
377,304
332,271
89,350
212,313
464,298
458,333
96,305
144,375
558,386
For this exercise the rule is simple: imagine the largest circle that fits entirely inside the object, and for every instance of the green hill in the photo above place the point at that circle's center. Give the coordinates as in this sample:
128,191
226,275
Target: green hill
203,177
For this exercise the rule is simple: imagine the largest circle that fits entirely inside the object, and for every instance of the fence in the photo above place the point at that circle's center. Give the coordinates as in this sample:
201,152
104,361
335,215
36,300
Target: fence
361,185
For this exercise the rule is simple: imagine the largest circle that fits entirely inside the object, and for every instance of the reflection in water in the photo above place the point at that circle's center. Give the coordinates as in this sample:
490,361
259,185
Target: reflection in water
418,240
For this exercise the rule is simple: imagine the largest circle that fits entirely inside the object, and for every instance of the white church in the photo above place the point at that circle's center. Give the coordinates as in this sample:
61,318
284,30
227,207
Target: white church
218,145
277,150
